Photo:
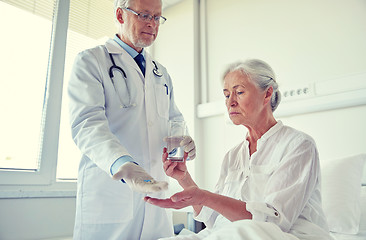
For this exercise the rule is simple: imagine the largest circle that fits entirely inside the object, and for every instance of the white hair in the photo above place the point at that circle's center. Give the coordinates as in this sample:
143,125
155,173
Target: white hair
262,74
124,4
121,4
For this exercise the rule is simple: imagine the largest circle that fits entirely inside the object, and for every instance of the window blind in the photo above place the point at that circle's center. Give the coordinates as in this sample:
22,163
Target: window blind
92,18
44,8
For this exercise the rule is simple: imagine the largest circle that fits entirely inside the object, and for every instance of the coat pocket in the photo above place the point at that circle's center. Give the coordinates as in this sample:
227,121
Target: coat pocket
162,100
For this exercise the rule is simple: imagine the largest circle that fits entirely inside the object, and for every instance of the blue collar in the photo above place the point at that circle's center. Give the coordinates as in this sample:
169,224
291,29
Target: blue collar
132,52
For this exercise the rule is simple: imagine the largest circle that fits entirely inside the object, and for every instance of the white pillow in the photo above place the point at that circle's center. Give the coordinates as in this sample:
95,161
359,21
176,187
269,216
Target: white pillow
341,186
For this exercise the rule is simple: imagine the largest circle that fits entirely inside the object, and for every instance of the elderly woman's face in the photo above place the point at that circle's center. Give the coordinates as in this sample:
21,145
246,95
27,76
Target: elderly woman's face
244,99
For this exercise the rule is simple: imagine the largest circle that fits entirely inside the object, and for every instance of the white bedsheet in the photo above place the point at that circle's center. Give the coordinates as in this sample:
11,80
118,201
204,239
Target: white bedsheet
244,229
251,230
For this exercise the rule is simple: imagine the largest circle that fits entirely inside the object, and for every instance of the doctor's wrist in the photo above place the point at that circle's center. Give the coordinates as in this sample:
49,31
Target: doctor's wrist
119,162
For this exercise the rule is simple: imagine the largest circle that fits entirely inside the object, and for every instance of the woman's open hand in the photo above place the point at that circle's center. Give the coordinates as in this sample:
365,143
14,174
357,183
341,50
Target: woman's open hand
189,197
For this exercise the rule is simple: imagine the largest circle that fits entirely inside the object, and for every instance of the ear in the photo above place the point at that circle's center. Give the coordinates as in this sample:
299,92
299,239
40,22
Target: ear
119,14
268,96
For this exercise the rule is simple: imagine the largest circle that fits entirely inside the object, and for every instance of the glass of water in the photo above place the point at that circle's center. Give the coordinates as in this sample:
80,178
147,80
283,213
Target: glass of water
177,130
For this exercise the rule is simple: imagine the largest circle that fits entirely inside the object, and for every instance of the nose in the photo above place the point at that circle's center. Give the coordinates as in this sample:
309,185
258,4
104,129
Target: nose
231,101
153,23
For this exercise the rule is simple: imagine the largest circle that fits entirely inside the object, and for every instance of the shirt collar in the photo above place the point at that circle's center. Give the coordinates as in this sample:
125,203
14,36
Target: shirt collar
267,134
132,52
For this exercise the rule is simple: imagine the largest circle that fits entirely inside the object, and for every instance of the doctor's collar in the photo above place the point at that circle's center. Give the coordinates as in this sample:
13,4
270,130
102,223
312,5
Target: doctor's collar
132,52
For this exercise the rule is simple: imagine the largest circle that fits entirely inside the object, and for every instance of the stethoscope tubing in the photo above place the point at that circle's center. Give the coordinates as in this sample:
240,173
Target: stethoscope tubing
123,73
155,70
115,66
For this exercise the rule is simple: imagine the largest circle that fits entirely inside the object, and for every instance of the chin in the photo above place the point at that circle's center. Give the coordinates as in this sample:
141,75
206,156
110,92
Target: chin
235,121
143,44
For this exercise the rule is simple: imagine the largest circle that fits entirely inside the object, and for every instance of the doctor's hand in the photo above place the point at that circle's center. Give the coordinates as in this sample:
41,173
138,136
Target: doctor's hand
189,197
173,169
138,179
189,147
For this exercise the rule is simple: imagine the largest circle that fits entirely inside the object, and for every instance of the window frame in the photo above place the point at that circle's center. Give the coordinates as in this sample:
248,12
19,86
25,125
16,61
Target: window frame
42,182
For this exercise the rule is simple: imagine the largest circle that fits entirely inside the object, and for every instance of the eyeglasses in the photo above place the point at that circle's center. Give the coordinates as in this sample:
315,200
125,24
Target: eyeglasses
147,17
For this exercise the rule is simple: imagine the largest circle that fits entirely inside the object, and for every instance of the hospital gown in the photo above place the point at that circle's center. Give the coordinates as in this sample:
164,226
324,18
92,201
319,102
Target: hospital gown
280,184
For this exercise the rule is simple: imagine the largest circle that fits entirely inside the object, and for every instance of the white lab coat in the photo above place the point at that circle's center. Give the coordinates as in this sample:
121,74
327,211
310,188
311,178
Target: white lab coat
104,130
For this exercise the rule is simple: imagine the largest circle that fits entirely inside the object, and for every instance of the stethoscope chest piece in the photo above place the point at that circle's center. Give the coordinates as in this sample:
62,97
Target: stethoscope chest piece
157,73
156,70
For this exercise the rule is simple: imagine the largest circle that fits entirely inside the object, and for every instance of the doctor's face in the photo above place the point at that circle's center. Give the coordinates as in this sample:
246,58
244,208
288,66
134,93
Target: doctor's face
244,99
136,32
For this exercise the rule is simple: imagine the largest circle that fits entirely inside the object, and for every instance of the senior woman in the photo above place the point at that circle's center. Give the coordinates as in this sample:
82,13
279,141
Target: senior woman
269,186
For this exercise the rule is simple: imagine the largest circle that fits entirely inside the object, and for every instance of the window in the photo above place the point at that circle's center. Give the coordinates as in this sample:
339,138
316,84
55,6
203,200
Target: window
90,23
36,144
32,56
26,35
38,50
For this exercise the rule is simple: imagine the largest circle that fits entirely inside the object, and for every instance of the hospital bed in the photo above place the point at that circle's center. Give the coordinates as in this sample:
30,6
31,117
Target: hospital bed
344,198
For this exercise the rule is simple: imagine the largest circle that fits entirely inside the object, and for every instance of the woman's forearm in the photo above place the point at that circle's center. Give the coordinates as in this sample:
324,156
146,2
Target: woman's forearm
230,208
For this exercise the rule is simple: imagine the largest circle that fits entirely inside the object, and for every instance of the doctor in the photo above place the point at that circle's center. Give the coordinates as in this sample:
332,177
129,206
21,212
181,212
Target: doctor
120,103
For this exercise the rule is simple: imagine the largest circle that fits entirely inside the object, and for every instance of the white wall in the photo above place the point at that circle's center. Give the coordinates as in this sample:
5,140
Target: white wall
304,41
36,218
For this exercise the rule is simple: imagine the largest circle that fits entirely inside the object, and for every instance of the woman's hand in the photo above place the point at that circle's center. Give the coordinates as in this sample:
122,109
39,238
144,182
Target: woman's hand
191,196
176,170
232,209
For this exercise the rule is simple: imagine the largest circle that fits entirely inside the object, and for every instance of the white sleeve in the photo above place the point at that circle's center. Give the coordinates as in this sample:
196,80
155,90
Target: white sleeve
90,127
289,186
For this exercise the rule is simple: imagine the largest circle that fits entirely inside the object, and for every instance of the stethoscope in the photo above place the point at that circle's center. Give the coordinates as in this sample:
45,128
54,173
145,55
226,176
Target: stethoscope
123,73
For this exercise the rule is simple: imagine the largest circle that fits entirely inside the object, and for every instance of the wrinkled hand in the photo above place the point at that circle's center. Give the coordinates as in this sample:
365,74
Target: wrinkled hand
189,146
189,197
176,170
138,179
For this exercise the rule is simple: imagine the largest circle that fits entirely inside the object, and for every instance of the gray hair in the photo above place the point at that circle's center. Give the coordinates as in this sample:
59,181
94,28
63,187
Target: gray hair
262,75
123,4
